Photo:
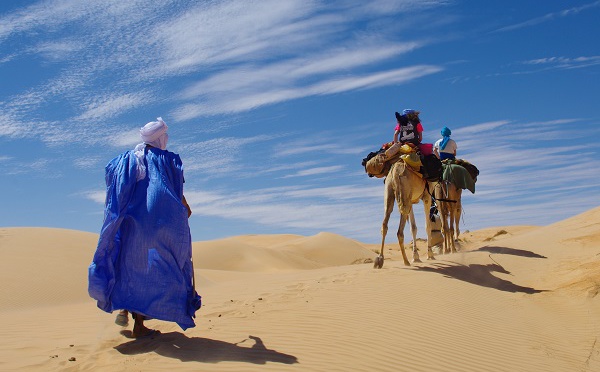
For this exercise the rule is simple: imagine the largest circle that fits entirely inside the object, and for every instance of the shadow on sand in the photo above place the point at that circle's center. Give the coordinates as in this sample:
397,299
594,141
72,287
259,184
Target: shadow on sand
197,349
478,274
509,251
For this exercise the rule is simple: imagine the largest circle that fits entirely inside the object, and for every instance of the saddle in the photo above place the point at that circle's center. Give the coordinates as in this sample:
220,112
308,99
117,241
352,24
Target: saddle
378,164
458,175
472,169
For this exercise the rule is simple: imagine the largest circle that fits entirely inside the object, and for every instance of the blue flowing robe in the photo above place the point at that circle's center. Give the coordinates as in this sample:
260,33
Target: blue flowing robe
143,259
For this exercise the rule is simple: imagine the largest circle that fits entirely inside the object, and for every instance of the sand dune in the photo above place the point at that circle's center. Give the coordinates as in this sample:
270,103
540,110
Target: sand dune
515,298
41,266
279,252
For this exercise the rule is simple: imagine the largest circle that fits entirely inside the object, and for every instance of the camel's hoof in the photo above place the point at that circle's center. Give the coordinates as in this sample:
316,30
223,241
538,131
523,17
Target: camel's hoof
417,260
378,264
406,263
431,258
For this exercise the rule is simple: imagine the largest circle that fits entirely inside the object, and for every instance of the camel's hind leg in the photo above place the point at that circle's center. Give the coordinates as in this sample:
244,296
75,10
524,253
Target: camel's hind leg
446,208
439,195
446,232
451,229
457,213
454,214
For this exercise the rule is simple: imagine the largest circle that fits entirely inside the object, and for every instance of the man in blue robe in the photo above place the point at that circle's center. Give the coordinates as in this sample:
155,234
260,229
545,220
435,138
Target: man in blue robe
143,262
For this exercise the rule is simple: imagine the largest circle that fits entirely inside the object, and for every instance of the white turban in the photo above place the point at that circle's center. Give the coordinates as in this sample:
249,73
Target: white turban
154,134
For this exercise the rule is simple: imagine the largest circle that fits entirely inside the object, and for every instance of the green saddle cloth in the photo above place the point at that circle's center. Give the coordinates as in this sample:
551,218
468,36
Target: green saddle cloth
459,176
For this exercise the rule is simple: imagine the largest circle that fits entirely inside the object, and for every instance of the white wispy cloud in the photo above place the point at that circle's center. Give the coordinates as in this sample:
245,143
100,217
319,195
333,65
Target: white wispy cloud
120,59
479,128
516,170
287,209
57,50
564,62
515,162
95,196
550,17
244,99
332,169
344,192
104,107
11,126
88,162
37,168
291,72
379,7
43,14
267,52
520,173
232,31
220,156
345,143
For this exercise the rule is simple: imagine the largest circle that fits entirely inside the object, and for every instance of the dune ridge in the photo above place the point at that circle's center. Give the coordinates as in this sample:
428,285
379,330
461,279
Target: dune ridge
279,252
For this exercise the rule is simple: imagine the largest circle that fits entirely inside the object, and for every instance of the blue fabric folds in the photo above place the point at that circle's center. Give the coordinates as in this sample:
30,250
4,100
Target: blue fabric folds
143,259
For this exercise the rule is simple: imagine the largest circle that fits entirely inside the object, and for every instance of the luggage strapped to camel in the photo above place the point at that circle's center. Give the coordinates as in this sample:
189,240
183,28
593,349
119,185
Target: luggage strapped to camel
421,160
378,164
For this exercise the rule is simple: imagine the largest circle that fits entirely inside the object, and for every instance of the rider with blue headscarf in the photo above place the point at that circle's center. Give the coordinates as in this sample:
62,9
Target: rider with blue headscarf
445,147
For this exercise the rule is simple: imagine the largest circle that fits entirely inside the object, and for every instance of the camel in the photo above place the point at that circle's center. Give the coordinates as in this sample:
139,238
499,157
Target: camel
406,187
449,204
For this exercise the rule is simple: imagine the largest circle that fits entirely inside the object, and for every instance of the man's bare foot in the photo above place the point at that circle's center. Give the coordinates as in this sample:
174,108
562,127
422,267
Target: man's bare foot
139,329
145,332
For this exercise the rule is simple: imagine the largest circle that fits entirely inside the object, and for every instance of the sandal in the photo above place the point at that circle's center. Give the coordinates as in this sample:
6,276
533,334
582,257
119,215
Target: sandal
122,320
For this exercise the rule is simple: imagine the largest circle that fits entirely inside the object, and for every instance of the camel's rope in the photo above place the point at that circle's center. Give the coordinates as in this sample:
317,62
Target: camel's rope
445,193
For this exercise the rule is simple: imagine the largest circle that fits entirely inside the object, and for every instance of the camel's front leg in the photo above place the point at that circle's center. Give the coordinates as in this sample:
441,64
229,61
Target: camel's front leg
400,235
427,206
388,209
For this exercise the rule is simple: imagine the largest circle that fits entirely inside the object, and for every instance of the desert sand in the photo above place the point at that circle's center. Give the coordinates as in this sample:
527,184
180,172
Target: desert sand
514,298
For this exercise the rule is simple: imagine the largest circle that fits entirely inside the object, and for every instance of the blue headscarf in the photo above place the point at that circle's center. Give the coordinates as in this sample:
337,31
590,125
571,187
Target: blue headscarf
446,132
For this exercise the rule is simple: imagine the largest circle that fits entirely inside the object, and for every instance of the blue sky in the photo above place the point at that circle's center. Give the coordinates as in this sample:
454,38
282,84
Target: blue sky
273,104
